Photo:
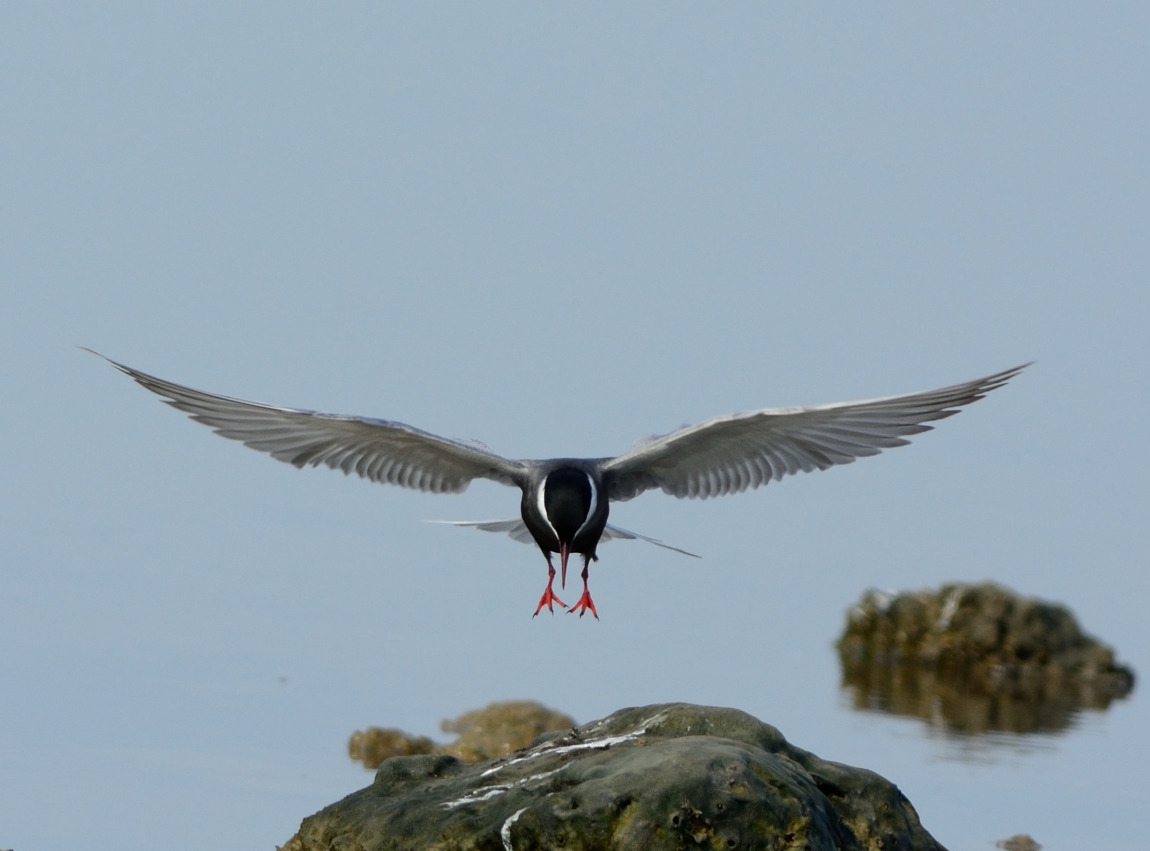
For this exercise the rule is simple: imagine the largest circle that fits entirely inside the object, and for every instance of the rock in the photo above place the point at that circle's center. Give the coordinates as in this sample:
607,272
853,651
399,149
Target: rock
501,728
1018,842
375,744
494,731
670,776
976,658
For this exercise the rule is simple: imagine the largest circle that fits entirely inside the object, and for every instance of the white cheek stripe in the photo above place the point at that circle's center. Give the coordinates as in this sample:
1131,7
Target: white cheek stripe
594,505
543,507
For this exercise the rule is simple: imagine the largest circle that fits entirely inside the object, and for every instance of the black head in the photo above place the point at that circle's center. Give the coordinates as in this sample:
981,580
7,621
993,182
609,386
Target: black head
568,499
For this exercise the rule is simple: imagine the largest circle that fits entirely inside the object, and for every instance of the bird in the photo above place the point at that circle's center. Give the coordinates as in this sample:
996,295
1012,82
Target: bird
565,501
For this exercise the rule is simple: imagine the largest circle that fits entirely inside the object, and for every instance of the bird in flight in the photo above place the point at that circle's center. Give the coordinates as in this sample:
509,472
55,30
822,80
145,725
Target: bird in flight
565,501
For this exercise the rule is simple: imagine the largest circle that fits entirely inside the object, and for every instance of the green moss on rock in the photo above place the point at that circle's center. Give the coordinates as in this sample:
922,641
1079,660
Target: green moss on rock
669,776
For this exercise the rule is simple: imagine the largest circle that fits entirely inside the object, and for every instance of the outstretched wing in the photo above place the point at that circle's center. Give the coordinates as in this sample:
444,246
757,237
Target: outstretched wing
516,529
379,450
730,454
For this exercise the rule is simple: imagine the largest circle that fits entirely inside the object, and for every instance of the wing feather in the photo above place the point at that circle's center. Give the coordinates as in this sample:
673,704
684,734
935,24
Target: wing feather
379,450
514,527
733,453
517,530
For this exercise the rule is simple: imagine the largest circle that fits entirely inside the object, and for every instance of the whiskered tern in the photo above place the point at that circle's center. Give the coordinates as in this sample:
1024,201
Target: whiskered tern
565,501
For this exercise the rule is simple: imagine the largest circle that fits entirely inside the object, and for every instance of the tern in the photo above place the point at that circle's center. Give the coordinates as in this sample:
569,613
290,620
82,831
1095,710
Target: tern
565,501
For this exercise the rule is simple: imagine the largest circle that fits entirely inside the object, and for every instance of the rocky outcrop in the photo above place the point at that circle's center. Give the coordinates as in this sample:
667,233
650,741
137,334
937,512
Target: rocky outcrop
670,776
1018,842
493,731
976,658
375,744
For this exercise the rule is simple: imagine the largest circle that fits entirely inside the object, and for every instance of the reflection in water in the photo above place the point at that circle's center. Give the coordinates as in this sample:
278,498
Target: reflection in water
974,659
954,703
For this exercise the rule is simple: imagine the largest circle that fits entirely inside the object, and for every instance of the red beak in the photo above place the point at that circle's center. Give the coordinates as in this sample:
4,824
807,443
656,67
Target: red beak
563,553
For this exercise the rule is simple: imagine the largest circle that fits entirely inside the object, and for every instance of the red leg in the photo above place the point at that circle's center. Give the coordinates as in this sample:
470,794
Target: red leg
549,596
584,603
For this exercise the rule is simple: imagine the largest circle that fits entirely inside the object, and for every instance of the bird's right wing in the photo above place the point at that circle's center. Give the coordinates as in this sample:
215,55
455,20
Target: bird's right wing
379,450
611,532
732,453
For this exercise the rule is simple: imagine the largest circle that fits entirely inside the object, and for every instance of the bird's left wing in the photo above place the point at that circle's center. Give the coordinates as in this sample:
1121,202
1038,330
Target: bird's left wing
730,454
379,450
516,529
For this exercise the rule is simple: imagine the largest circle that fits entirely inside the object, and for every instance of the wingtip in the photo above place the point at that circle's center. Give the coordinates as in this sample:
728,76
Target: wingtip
1008,374
999,379
118,366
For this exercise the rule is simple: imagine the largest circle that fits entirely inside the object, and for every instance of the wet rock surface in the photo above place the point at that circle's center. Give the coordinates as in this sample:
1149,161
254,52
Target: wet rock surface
493,731
669,776
976,658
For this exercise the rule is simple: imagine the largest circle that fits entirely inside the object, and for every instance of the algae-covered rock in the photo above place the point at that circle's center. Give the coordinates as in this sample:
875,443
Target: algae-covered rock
495,730
976,658
501,728
375,744
1018,842
670,776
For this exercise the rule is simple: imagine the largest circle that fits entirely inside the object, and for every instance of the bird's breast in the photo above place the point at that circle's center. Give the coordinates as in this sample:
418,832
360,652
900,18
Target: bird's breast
568,507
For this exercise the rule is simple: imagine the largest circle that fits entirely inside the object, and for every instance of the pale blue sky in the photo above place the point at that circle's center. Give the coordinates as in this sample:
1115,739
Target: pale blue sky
553,229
